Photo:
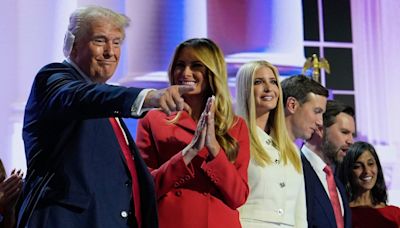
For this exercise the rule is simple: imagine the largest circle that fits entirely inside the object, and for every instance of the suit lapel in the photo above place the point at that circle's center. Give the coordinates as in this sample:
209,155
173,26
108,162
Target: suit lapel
132,146
317,191
185,121
121,154
146,182
127,133
346,209
141,167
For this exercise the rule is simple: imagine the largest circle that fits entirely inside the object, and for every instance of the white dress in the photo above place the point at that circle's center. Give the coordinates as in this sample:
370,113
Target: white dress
277,193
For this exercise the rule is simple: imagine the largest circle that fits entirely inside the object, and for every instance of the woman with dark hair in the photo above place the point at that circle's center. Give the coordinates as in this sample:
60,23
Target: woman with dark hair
362,174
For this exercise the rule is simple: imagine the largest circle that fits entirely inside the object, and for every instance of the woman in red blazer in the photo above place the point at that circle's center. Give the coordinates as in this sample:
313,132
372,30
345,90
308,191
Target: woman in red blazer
200,170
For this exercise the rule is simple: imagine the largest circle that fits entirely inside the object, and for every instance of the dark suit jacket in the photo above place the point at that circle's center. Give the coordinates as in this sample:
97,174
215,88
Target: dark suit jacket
68,137
319,208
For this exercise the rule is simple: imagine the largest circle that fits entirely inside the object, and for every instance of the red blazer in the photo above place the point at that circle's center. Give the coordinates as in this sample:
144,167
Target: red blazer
205,193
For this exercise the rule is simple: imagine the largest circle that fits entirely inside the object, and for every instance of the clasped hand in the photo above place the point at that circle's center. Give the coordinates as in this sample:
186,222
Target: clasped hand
204,135
10,189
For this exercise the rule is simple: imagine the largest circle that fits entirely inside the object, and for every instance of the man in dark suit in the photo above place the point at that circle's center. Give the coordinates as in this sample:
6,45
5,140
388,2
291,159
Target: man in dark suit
327,147
305,103
83,167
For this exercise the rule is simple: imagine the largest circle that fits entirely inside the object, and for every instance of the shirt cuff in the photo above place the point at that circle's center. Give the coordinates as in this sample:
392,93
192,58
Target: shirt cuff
137,108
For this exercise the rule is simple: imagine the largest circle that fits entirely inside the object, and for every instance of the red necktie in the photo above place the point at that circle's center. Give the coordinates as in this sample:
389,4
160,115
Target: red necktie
131,166
334,197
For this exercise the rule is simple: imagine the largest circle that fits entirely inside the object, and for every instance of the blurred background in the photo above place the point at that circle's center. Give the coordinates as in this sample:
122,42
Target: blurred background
359,39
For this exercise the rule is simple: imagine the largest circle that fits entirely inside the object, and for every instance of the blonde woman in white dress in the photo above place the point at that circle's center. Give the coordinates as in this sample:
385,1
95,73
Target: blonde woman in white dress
277,194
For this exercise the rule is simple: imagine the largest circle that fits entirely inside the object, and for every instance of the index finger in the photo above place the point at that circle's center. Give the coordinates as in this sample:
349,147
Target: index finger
182,89
12,179
209,104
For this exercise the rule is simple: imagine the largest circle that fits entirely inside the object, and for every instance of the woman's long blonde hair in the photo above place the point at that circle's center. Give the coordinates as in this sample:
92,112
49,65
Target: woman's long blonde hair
245,106
207,52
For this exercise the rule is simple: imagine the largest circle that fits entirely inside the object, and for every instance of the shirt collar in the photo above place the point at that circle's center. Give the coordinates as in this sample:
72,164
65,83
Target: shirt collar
78,69
316,162
264,136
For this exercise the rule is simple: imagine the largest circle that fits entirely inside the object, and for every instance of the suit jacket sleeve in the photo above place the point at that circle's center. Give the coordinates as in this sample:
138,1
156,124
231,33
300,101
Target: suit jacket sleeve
63,93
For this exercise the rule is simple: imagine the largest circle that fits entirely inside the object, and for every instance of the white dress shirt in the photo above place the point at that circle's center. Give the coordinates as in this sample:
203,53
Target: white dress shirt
318,165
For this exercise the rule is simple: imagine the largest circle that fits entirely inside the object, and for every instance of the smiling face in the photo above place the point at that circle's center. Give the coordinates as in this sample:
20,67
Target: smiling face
97,53
189,70
266,90
307,117
338,137
365,171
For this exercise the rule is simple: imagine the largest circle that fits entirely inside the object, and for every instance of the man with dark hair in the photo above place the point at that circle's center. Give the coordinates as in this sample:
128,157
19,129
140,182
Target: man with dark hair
332,141
339,131
327,204
304,100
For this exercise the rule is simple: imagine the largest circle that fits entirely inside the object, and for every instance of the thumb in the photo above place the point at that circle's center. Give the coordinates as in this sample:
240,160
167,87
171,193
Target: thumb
182,89
187,108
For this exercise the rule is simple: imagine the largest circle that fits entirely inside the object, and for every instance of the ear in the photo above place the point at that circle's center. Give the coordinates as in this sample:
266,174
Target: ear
291,104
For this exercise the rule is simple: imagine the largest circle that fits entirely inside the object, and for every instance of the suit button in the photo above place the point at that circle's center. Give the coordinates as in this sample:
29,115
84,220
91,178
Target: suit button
187,177
124,214
205,193
176,184
280,211
128,183
178,193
